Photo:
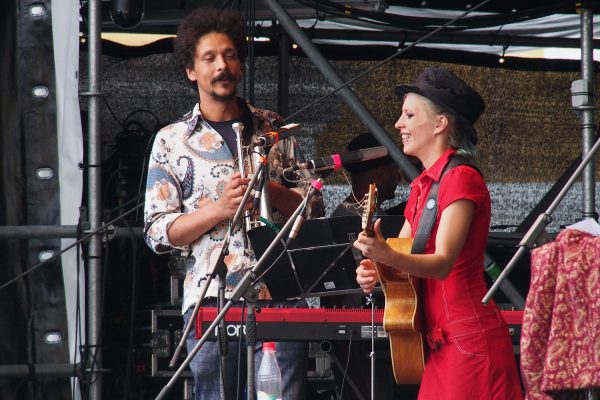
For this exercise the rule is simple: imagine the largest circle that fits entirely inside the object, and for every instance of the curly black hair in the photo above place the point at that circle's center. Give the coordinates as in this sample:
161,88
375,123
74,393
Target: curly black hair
205,20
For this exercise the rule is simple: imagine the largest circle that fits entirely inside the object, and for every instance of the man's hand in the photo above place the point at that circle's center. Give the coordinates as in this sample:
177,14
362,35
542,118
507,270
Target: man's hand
229,201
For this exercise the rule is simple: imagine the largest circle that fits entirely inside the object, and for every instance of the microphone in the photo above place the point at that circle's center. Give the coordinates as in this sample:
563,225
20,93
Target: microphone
315,187
262,181
270,138
337,161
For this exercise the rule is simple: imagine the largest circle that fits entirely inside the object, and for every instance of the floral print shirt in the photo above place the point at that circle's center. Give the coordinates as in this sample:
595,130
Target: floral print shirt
189,167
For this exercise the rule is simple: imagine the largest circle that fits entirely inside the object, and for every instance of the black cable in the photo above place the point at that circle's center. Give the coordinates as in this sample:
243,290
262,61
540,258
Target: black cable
385,61
347,365
141,128
123,123
126,126
107,185
423,24
113,113
126,129
142,110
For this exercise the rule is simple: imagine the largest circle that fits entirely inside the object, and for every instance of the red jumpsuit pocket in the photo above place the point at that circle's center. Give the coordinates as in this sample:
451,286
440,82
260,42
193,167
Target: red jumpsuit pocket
470,344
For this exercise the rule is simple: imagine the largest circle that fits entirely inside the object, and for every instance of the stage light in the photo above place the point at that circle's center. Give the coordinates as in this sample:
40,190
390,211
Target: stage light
40,92
37,10
504,48
53,337
127,13
44,174
45,255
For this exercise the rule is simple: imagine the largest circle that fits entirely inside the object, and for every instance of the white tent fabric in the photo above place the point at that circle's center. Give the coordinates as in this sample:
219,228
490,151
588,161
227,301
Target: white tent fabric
553,26
65,28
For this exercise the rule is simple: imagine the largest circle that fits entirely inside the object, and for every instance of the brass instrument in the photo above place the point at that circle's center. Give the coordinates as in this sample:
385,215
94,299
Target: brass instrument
249,158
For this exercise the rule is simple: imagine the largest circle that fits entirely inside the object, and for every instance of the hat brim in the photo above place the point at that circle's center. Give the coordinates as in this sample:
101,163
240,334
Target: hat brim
403,89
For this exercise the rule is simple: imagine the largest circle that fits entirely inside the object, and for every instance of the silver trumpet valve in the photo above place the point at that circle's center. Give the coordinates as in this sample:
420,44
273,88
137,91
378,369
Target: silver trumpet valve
249,159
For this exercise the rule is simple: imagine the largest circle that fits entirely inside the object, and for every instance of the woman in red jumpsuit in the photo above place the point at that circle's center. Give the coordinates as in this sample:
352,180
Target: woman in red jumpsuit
471,354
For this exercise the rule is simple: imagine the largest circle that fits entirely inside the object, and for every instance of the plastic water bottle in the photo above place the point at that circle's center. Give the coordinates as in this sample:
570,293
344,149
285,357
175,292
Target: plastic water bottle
268,379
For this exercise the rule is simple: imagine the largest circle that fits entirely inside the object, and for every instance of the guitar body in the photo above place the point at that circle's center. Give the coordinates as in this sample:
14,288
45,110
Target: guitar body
402,318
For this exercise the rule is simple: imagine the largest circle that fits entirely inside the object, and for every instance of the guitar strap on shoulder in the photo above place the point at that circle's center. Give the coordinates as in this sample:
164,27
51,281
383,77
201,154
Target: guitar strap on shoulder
431,206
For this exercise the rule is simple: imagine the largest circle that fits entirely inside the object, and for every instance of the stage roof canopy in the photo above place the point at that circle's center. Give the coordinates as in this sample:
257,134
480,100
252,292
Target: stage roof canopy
510,27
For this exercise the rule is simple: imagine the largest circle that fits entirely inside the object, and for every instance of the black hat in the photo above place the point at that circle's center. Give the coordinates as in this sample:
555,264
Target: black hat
451,93
365,141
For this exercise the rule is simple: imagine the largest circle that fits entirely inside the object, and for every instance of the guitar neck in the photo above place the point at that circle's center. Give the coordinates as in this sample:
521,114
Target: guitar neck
369,212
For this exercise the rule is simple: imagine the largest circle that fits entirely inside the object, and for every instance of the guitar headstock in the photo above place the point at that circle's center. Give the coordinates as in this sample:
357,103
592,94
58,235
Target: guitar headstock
369,210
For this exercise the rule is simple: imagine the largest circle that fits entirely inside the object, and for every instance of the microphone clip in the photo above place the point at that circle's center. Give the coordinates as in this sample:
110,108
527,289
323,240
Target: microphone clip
270,138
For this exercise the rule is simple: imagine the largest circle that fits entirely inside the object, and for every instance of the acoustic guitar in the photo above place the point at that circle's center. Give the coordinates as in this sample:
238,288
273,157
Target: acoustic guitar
402,317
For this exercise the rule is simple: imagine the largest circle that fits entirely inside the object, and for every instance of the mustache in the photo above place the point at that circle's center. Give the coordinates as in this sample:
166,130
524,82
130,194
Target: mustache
223,76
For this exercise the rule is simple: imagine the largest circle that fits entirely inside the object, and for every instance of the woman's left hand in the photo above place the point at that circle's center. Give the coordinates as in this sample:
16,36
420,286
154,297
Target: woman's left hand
375,248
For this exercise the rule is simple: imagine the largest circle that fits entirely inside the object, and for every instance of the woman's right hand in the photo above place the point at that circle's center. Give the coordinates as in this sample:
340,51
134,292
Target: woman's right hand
366,275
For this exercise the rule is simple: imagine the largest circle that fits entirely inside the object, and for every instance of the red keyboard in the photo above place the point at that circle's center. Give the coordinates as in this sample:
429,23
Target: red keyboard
310,324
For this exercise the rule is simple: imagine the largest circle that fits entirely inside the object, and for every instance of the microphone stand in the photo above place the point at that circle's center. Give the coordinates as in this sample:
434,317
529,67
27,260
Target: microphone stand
371,302
250,343
219,268
222,337
243,289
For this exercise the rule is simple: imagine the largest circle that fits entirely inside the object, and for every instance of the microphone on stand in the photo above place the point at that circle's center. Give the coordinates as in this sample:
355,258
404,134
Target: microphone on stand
316,186
262,181
270,138
337,161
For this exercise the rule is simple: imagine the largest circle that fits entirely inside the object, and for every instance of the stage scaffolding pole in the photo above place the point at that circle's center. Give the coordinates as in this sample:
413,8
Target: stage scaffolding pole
586,112
587,123
93,364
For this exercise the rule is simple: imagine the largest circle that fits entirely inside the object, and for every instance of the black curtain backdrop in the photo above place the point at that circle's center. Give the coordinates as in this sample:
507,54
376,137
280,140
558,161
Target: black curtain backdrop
34,305
13,347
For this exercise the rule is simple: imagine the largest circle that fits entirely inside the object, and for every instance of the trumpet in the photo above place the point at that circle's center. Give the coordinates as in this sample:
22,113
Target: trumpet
249,159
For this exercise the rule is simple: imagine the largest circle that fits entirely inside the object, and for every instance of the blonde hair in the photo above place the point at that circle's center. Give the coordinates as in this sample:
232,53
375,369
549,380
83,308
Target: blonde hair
457,139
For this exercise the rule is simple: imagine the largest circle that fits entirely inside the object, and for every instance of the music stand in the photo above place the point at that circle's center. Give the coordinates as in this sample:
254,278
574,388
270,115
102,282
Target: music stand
321,261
